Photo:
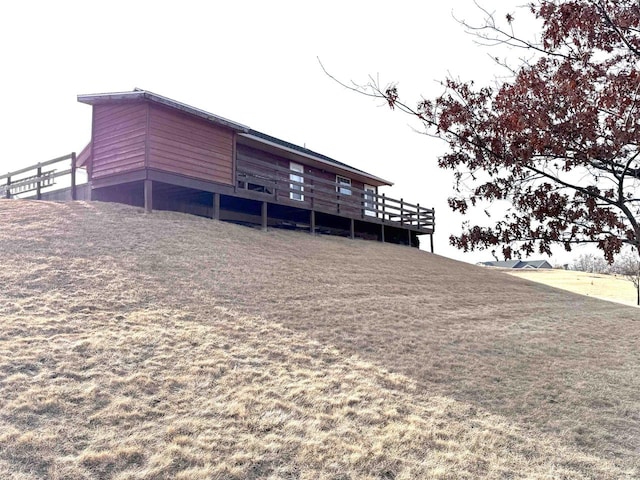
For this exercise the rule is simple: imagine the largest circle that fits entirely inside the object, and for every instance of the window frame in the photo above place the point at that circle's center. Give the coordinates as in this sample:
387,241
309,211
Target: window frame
296,175
370,200
343,190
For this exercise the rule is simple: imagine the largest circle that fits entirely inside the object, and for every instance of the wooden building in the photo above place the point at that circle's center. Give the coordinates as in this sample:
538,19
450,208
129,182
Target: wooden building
151,151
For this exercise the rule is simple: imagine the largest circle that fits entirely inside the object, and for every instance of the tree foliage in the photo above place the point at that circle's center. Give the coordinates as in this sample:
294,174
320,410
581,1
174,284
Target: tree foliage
558,139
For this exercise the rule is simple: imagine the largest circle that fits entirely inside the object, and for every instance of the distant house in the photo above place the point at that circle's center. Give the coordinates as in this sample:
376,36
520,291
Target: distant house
155,152
519,264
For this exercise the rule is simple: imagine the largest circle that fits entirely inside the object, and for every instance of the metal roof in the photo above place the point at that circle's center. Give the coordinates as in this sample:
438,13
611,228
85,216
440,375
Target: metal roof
518,264
139,94
503,263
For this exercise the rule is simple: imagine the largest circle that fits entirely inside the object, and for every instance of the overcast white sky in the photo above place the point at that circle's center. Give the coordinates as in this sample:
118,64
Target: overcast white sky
254,62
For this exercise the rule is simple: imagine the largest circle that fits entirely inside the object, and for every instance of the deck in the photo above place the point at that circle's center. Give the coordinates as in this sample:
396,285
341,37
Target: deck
264,194
259,180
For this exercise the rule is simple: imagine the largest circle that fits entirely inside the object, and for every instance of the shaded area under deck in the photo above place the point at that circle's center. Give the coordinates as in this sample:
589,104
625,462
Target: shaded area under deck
255,209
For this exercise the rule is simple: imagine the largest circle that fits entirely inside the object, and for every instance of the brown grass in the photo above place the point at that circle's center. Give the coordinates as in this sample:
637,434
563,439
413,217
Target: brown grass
169,346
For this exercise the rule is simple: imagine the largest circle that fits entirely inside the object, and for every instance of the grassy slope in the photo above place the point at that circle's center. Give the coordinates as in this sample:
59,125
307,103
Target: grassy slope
169,346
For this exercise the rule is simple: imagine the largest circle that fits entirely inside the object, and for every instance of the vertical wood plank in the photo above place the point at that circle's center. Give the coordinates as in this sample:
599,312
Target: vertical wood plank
383,211
234,160
147,131
74,193
264,215
90,160
39,184
148,195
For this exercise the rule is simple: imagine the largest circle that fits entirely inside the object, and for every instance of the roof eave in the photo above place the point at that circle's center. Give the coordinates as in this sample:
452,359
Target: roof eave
142,95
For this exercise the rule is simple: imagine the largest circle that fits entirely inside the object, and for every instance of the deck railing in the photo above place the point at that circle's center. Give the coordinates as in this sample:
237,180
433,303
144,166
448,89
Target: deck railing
36,178
263,181
279,183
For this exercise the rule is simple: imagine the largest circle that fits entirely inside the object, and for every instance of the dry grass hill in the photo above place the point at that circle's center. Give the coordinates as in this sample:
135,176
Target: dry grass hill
137,346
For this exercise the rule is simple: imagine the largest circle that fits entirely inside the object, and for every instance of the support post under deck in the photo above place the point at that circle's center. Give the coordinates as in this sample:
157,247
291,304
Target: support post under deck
352,229
148,195
431,240
382,232
264,215
312,221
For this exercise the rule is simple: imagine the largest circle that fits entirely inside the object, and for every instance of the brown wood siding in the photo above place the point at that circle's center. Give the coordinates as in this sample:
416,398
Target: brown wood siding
118,143
189,146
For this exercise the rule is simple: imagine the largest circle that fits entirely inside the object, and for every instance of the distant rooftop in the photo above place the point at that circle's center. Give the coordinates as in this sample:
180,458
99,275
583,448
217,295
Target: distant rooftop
518,264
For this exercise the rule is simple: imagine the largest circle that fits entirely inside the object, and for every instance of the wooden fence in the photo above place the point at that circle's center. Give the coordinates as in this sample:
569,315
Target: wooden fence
319,194
37,177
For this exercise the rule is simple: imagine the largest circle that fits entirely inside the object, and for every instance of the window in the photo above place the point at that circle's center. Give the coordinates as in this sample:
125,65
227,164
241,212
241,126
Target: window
296,175
255,187
344,185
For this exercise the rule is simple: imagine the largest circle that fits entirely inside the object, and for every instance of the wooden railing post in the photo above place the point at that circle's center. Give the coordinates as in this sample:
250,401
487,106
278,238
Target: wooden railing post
73,176
418,214
7,194
383,208
401,211
39,184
